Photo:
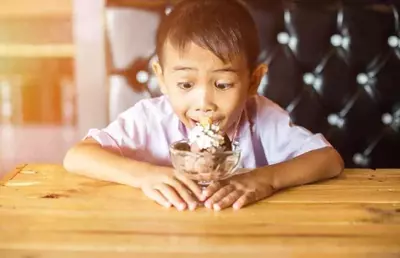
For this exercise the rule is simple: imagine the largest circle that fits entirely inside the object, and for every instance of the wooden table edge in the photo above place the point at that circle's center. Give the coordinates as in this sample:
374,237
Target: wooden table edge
10,175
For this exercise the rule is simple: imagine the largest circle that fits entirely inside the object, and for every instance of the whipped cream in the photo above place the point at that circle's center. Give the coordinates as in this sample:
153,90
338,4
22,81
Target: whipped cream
206,136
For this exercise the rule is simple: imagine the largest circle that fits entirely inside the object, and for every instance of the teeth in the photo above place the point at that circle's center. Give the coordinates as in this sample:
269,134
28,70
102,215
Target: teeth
215,128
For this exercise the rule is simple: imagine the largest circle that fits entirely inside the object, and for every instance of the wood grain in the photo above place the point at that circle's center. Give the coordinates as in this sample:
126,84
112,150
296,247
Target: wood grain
10,175
47,212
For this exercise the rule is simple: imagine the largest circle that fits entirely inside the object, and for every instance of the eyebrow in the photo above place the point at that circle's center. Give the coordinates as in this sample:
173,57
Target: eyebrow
186,68
183,68
227,70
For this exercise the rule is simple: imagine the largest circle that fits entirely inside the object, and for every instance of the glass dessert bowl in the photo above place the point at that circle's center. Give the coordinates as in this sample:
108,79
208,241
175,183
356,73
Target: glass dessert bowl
204,167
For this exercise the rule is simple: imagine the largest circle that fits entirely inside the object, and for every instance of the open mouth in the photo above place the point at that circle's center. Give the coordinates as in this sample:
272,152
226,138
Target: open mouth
194,122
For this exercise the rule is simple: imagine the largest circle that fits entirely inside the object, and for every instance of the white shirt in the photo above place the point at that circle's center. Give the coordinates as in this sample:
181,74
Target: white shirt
265,133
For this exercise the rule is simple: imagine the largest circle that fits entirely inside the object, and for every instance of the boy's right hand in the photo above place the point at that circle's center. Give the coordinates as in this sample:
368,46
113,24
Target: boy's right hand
167,188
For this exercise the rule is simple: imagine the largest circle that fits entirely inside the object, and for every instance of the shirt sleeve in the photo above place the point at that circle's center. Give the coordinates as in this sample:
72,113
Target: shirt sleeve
281,139
127,132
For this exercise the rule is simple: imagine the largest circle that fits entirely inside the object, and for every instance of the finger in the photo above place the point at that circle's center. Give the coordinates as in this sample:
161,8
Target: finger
221,193
244,200
156,196
228,200
211,189
184,193
190,184
171,195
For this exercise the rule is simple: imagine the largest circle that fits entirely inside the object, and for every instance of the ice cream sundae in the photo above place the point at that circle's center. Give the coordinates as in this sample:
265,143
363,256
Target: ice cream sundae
207,155
207,137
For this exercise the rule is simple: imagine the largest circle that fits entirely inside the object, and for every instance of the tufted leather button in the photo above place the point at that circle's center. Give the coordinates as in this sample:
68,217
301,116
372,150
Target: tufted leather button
142,76
153,83
168,10
360,159
283,38
387,119
362,78
330,68
336,120
311,79
394,41
336,40
308,78
332,119
340,41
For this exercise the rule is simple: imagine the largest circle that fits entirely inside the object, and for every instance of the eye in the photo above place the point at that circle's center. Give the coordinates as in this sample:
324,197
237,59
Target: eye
223,86
185,85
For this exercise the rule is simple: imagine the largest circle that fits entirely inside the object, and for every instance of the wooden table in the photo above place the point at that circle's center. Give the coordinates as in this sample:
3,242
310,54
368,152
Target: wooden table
46,212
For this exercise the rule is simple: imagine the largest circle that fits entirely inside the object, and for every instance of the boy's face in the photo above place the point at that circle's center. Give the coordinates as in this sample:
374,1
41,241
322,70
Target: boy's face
198,83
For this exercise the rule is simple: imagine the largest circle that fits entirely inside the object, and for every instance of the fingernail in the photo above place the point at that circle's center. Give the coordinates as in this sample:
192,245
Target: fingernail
167,205
181,206
192,206
236,207
204,195
207,204
217,207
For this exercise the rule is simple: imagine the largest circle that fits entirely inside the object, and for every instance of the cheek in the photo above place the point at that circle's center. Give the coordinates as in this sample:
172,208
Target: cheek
232,100
178,102
232,105
236,111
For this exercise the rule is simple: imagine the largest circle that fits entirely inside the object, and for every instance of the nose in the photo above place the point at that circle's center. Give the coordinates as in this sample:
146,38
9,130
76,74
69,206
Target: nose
205,100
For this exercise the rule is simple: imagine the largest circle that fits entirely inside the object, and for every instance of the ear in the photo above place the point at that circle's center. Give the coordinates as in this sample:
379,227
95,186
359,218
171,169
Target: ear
157,69
256,78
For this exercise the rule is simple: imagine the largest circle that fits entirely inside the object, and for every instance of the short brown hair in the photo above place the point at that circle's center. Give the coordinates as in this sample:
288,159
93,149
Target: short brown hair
225,27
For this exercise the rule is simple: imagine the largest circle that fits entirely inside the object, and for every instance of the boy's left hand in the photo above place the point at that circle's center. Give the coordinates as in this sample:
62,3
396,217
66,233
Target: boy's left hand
239,190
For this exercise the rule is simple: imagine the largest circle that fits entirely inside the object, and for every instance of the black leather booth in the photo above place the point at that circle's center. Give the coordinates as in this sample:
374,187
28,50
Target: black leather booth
334,65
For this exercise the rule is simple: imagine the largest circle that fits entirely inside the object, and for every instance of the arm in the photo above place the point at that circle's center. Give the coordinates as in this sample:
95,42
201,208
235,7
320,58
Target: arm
262,182
90,159
117,154
307,168
295,157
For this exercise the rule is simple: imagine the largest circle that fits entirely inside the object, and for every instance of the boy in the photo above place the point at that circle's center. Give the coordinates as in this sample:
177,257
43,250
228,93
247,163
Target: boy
207,54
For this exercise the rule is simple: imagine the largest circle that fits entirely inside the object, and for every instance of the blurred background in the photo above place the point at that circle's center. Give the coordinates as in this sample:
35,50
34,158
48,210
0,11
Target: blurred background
70,65
37,81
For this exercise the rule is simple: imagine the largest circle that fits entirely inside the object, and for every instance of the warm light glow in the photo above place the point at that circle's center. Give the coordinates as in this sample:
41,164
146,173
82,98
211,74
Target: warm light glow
38,51
35,8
